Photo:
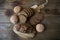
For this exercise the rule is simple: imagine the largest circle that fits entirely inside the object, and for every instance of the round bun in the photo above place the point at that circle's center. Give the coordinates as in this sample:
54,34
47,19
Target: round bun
17,9
39,27
14,19
22,19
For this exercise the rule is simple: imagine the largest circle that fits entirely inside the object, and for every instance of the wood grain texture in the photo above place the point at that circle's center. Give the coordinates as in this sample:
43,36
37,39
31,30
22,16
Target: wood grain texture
52,24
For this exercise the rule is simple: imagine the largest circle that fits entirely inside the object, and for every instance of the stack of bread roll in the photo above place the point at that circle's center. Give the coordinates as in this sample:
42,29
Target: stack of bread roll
24,20
27,21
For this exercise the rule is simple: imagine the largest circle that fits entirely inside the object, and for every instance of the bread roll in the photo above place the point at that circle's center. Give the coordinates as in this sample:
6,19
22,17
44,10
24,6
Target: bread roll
14,19
22,13
27,12
22,19
17,9
39,27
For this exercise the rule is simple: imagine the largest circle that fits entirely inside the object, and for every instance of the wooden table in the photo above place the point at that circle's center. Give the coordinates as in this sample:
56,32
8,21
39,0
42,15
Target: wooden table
52,24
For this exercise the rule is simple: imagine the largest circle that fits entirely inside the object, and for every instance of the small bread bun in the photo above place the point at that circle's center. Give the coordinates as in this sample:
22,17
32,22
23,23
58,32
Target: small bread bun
14,19
22,19
17,9
39,27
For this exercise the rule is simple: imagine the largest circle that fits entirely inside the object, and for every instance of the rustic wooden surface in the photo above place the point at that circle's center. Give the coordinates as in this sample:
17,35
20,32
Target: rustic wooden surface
52,24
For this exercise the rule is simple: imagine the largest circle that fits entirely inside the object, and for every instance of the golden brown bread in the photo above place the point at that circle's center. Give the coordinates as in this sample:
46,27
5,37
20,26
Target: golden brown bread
22,19
39,27
17,9
14,19
27,12
38,17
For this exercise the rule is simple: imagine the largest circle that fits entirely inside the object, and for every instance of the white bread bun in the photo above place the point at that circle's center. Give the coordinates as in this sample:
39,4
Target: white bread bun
17,9
14,19
39,27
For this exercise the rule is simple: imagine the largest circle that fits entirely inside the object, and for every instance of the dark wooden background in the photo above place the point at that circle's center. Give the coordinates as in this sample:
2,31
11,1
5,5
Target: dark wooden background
51,21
